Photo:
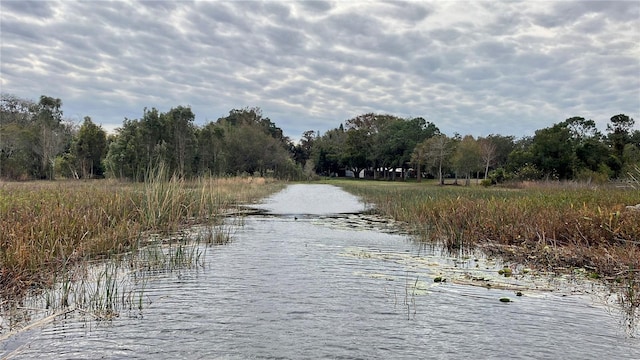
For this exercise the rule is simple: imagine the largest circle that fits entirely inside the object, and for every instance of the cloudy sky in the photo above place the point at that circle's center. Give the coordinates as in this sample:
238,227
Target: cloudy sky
471,67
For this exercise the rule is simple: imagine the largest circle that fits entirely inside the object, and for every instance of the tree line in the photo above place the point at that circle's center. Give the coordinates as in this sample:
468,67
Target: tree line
37,142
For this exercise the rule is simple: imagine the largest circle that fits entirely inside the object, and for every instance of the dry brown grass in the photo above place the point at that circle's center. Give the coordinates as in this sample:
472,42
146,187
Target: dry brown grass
45,227
555,227
549,226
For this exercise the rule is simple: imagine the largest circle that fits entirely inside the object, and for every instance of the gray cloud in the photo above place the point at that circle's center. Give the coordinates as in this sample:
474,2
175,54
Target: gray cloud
34,9
469,67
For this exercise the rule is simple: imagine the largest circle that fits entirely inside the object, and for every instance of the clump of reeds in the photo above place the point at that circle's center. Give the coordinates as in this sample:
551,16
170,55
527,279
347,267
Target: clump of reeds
627,290
168,256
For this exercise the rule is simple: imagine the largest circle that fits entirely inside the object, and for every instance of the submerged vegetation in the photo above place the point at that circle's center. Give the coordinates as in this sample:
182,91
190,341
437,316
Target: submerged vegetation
48,227
550,226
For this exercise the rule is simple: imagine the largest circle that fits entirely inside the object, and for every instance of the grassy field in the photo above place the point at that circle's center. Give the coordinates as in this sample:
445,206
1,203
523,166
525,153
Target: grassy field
46,227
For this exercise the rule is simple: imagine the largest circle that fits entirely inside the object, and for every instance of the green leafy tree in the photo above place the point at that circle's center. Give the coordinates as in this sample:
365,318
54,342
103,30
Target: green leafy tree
89,148
180,139
467,157
435,152
553,153
328,151
302,151
520,156
593,155
128,156
210,153
51,140
619,130
254,144
635,138
494,151
31,136
247,149
361,131
386,145
18,159
590,151
619,135
397,140
14,110
419,158
252,151
504,146
151,134
156,139
581,129
631,156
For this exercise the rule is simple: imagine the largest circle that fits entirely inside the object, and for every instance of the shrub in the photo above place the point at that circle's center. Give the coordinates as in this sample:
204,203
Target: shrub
529,172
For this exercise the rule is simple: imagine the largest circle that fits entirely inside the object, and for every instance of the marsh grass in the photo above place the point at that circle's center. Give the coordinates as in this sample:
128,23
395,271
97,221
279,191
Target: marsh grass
554,227
49,227
162,257
91,247
551,227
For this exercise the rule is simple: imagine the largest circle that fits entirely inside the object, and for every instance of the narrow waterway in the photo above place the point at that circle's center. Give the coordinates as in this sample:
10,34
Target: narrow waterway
312,277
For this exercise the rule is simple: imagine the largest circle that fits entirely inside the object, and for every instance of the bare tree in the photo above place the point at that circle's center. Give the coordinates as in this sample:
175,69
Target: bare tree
488,153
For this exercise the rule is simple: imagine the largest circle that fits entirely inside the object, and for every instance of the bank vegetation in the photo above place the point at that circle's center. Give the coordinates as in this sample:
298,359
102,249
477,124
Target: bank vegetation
49,226
552,227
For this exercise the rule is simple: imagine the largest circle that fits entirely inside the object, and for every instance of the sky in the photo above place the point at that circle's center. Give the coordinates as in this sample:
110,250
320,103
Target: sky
470,67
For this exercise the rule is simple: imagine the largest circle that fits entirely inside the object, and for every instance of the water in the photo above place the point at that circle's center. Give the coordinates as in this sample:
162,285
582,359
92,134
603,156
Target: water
312,279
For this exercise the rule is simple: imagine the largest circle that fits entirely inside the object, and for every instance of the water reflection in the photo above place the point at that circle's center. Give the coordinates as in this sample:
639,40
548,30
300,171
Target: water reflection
302,283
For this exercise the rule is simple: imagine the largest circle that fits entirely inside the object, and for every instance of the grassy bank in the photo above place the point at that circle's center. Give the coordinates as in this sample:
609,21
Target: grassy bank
45,227
549,226
561,228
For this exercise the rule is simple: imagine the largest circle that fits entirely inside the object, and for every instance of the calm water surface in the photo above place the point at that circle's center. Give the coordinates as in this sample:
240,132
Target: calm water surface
312,279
